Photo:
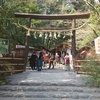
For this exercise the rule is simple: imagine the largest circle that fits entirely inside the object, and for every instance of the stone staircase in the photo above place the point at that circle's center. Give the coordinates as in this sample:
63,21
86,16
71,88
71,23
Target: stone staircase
48,91
36,89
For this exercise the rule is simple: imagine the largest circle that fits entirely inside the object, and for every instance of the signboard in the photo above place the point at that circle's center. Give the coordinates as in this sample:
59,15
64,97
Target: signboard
97,45
4,44
21,46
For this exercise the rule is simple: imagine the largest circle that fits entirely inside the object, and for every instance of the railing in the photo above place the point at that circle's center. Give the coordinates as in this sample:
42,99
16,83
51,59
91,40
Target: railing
78,65
17,63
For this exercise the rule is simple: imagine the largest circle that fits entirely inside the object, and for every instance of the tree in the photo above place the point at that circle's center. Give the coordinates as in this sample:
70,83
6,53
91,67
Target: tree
94,19
13,28
9,28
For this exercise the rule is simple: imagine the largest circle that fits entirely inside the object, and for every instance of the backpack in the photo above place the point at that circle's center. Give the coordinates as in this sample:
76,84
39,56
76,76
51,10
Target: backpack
67,61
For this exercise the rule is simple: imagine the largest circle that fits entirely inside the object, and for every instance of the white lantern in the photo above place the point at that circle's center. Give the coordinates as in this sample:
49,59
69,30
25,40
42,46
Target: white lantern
40,34
59,34
50,34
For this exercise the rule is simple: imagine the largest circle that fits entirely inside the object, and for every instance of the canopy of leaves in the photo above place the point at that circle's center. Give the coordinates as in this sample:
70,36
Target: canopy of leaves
10,29
9,24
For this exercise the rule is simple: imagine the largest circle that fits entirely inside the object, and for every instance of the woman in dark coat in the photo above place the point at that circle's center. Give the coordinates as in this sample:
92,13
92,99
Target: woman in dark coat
32,60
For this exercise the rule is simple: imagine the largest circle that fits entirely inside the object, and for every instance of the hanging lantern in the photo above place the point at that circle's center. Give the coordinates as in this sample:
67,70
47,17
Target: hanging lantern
28,33
59,34
50,34
40,34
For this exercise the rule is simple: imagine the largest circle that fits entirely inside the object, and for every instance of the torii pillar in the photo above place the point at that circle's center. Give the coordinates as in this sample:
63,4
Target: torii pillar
73,42
27,42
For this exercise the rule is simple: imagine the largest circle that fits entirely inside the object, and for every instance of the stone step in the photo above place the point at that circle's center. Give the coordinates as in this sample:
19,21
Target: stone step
13,98
32,83
69,92
48,85
46,94
49,89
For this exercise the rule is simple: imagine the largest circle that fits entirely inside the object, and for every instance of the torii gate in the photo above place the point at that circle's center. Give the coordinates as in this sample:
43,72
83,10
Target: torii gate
72,17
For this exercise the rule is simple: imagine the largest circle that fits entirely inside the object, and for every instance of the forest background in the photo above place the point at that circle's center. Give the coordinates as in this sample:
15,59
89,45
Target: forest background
10,27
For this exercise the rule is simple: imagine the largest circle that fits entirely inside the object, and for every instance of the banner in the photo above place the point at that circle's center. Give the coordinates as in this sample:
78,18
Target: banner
97,45
4,44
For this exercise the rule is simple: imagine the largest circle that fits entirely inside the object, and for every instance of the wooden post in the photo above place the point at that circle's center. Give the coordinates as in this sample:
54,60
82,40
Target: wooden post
27,43
73,43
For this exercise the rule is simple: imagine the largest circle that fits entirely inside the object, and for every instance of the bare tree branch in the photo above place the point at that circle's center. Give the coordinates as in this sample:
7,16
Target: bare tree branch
88,3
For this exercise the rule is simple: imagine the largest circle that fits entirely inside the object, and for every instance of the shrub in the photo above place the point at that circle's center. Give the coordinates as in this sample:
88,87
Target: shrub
5,68
92,68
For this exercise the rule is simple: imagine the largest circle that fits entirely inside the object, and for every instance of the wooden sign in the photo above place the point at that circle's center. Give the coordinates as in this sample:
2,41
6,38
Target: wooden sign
4,46
97,45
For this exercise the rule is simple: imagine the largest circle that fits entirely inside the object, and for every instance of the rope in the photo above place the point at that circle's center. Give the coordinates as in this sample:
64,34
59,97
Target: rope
50,30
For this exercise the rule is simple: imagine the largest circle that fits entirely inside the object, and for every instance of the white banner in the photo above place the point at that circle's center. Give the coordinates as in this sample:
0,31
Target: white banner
97,45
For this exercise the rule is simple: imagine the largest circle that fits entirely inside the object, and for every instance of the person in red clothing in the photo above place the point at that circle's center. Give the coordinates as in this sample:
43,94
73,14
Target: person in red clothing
67,62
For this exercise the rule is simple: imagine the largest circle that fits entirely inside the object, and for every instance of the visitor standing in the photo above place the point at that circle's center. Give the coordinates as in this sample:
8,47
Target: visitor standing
67,62
57,59
39,62
32,60
52,58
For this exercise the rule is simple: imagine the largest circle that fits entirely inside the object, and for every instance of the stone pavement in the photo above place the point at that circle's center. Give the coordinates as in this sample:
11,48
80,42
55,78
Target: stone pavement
48,84
50,76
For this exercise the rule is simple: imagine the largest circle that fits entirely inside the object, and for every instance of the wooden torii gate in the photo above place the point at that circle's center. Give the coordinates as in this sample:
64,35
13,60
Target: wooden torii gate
72,17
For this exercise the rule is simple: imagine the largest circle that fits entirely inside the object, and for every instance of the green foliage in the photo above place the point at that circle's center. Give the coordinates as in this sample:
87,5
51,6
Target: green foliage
92,30
9,28
35,42
79,5
92,68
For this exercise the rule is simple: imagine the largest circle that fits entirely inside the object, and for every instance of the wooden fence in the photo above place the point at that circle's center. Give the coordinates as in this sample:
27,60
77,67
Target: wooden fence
79,65
17,63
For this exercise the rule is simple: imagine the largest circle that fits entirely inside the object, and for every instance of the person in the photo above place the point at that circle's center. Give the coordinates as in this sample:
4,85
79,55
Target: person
13,53
62,58
67,62
52,58
57,59
32,60
39,62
